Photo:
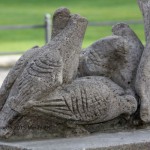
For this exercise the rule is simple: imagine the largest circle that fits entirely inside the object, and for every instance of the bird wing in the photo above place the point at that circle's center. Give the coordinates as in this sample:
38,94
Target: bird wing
14,73
84,100
42,75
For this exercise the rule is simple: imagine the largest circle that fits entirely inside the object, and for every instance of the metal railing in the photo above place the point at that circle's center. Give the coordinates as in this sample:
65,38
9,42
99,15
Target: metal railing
111,23
48,25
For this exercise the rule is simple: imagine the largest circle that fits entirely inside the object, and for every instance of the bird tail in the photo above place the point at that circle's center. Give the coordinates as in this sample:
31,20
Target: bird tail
53,107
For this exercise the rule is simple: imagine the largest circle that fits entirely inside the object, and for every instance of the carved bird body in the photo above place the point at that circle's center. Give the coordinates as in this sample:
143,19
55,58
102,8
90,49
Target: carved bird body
43,78
48,67
116,57
87,100
15,72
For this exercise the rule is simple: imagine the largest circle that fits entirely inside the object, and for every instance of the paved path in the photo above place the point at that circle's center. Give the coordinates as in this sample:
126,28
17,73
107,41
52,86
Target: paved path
6,62
3,73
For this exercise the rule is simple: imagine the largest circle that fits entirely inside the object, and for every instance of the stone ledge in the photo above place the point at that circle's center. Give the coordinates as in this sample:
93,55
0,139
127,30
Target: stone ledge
137,146
133,140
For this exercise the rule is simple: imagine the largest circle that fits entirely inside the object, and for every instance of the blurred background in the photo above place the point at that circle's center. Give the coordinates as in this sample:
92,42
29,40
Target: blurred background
101,14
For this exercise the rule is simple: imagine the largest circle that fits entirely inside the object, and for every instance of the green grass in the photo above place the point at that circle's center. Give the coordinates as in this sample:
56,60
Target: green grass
29,12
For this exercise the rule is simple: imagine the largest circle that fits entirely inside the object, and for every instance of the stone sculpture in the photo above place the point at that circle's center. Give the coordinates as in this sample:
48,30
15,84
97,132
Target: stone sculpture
86,100
59,81
43,70
142,84
115,56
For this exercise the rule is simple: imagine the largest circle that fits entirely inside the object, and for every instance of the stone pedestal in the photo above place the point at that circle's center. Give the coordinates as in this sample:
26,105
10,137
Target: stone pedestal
131,140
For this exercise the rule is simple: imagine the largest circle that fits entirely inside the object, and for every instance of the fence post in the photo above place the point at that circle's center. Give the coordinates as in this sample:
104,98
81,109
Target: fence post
47,28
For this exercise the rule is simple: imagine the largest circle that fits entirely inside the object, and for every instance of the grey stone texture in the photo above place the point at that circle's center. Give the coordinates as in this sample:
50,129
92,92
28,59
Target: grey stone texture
142,84
115,57
87,100
59,91
131,140
60,20
40,70
144,6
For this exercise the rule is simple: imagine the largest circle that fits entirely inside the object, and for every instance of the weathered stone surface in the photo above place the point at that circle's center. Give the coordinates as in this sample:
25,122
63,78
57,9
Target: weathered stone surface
134,49
145,9
60,20
97,59
7,147
116,57
43,97
142,84
47,68
131,140
87,100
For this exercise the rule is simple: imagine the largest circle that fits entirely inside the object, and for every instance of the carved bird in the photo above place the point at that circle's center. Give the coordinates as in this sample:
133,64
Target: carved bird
116,57
60,21
87,100
61,17
38,73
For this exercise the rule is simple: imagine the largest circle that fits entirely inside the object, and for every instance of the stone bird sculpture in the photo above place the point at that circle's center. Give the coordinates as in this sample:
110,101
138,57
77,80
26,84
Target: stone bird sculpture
87,100
116,57
45,79
40,70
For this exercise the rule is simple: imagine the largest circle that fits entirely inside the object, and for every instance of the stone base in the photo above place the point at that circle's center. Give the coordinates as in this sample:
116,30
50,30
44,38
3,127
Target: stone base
36,127
133,140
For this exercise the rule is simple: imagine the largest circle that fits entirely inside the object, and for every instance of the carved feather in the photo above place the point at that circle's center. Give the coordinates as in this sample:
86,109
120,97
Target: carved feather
87,100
